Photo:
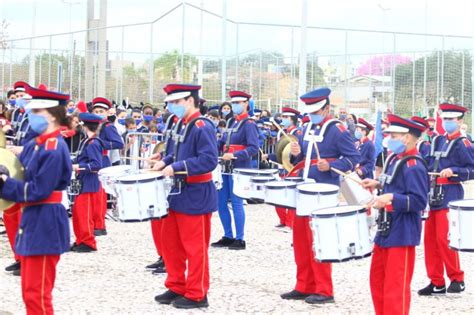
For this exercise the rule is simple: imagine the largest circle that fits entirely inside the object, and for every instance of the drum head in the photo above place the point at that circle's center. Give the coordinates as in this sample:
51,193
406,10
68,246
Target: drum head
338,211
139,178
255,172
115,169
318,189
262,179
465,204
294,179
280,185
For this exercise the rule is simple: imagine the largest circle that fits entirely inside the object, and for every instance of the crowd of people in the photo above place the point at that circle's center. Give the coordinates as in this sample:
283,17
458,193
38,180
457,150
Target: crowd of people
56,138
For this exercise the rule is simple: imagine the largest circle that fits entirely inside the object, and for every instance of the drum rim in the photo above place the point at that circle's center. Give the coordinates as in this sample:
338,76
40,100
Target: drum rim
290,184
462,208
254,171
305,192
262,179
314,214
132,181
293,179
102,171
345,259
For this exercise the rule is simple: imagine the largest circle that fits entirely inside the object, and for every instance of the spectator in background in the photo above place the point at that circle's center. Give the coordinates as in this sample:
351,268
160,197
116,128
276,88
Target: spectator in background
225,111
4,121
266,113
70,107
465,133
351,123
220,129
11,99
74,134
342,115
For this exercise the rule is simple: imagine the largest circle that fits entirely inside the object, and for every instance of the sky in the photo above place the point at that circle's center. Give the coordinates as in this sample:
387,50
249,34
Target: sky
434,16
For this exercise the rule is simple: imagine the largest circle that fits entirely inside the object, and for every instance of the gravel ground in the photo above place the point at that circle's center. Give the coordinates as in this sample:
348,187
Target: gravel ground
114,280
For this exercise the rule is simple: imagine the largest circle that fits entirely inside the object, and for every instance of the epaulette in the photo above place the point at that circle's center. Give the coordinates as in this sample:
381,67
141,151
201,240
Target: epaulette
466,142
411,162
299,132
200,123
51,144
341,127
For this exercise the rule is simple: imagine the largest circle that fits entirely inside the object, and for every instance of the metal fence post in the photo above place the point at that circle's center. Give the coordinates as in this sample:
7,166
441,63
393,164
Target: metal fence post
413,86
224,52
237,57
260,76
346,75
442,69
121,64
392,64
425,70
462,78
183,16
49,59
151,67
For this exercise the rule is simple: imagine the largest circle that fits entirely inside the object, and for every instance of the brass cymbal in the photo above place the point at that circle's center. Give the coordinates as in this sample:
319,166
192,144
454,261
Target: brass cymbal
281,144
12,163
285,158
159,147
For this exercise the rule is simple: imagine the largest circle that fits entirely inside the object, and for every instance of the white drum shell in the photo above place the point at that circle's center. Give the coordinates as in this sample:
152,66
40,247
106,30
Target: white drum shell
109,175
257,186
242,180
461,222
342,235
141,197
354,193
306,203
281,194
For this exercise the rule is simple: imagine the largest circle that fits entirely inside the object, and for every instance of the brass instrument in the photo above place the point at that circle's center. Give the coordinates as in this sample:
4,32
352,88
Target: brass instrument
282,151
12,163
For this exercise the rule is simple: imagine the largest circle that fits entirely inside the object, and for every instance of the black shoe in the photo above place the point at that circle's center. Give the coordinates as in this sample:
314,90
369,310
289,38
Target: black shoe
456,287
73,246
159,271
279,226
223,242
82,248
167,297
186,303
13,267
294,295
431,289
16,272
159,263
100,232
319,299
237,245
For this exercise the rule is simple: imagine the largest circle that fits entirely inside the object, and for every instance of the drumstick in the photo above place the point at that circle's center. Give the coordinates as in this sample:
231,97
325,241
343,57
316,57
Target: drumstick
136,158
152,170
439,174
281,130
346,175
269,161
220,158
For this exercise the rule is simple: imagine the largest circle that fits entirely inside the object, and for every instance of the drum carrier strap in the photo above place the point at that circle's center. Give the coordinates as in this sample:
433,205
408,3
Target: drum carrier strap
384,219
229,165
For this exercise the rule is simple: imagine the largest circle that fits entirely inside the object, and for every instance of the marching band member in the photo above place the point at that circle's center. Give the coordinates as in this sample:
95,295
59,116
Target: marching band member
86,166
399,222
111,140
366,167
239,144
44,229
423,146
186,230
337,149
451,154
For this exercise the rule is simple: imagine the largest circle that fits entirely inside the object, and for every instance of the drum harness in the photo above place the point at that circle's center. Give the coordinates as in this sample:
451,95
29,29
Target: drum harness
384,219
20,133
76,184
436,194
179,181
229,165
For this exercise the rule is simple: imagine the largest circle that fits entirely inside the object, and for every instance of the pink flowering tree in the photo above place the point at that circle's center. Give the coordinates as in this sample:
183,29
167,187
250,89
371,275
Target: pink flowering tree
378,64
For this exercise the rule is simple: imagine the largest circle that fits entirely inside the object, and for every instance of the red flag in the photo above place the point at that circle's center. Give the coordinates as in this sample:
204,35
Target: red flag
439,124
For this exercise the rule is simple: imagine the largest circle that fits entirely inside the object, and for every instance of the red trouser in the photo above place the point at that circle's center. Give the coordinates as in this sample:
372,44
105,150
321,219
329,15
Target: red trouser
11,219
83,220
156,230
37,283
185,238
312,277
100,199
438,255
281,213
391,272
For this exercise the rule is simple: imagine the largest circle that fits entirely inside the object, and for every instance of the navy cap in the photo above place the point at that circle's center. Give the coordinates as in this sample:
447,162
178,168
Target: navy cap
90,118
315,100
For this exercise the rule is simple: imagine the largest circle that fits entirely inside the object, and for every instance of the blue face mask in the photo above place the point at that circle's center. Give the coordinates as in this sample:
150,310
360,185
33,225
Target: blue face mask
147,118
38,123
396,146
179,110
70,110
450,126
121,121
21,102
12,102
358,135
342,116
159,120
237,108
286,123
138,121
225,112
316,119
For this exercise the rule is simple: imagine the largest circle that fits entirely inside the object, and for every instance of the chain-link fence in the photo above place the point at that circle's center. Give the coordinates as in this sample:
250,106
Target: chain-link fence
367,70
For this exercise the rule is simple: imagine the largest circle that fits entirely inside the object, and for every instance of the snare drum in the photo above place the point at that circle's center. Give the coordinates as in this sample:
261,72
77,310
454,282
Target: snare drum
257,190
340,234
242,176
141,197
75,185
311,197
461,221
109,175
281,193
353,192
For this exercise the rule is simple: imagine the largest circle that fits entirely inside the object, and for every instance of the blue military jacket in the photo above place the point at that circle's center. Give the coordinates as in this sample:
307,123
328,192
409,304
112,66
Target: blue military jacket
460,160
89,159
246,135
44,228
367,157
410,195
337,146
196,155
111,140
